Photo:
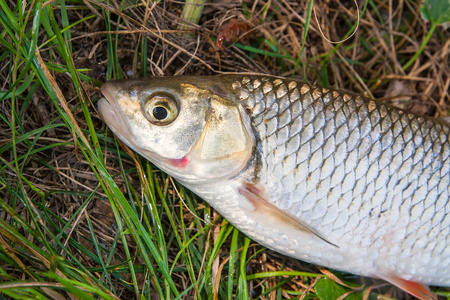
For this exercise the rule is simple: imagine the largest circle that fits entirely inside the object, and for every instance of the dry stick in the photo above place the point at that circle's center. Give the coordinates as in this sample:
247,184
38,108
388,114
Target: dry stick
150,11
353,33
169,62
23,284
361,82
310,287
202,264
398,67
406,77
152,32
187,207
216,271
338,281
380,39
216,233
435,83
298,16
38,256
367,293
343,296
444,56
445,88
180,71
144,182
62,100
64,105
155,65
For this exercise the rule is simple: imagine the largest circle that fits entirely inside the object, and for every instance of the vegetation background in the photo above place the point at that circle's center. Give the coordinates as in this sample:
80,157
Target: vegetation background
83,217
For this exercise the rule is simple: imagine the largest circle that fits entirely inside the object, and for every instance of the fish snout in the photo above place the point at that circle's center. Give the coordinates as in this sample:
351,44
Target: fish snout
108,89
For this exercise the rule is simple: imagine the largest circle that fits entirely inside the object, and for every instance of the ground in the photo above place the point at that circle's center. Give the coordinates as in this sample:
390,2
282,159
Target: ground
83,216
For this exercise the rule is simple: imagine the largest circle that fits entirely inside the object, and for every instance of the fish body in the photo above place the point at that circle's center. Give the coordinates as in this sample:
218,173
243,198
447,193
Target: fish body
322,176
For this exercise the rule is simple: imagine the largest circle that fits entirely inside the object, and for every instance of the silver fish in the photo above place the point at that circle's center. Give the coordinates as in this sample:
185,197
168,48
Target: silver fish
319,175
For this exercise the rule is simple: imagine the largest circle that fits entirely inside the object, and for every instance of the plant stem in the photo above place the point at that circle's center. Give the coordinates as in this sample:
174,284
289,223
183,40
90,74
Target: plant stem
422,46
192,12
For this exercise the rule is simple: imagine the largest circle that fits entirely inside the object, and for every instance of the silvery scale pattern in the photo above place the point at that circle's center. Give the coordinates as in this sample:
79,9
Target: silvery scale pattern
363,174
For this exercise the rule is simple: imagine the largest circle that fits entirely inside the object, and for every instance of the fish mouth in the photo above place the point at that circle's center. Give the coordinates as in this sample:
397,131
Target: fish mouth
112,116
109,113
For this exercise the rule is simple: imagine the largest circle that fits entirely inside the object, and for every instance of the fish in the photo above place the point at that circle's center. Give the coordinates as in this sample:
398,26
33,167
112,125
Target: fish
323,176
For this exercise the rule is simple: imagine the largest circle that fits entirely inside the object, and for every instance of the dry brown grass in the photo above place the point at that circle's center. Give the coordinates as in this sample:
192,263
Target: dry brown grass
147,42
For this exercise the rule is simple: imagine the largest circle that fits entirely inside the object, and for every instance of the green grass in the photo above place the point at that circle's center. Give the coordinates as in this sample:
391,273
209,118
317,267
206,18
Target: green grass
82,216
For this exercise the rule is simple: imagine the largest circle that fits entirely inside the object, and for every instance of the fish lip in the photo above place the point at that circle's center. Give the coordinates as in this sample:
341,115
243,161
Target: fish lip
105,92
113,117
104,104
107,109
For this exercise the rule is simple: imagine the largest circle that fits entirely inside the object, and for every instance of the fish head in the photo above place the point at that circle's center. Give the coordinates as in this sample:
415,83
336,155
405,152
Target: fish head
194,131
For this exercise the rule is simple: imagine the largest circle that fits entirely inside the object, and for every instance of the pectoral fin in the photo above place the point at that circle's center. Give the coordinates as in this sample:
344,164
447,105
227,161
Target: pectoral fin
257,202
416,289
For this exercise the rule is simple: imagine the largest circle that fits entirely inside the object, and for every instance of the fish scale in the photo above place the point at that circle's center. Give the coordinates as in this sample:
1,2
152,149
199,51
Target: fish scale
323,176
378,159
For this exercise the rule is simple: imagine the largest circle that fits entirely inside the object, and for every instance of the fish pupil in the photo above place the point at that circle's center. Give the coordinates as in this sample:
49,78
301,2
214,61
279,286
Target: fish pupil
160,113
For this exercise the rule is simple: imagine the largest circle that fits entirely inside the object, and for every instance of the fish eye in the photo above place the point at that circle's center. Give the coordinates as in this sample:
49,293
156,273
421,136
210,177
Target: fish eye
160,113
161,109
